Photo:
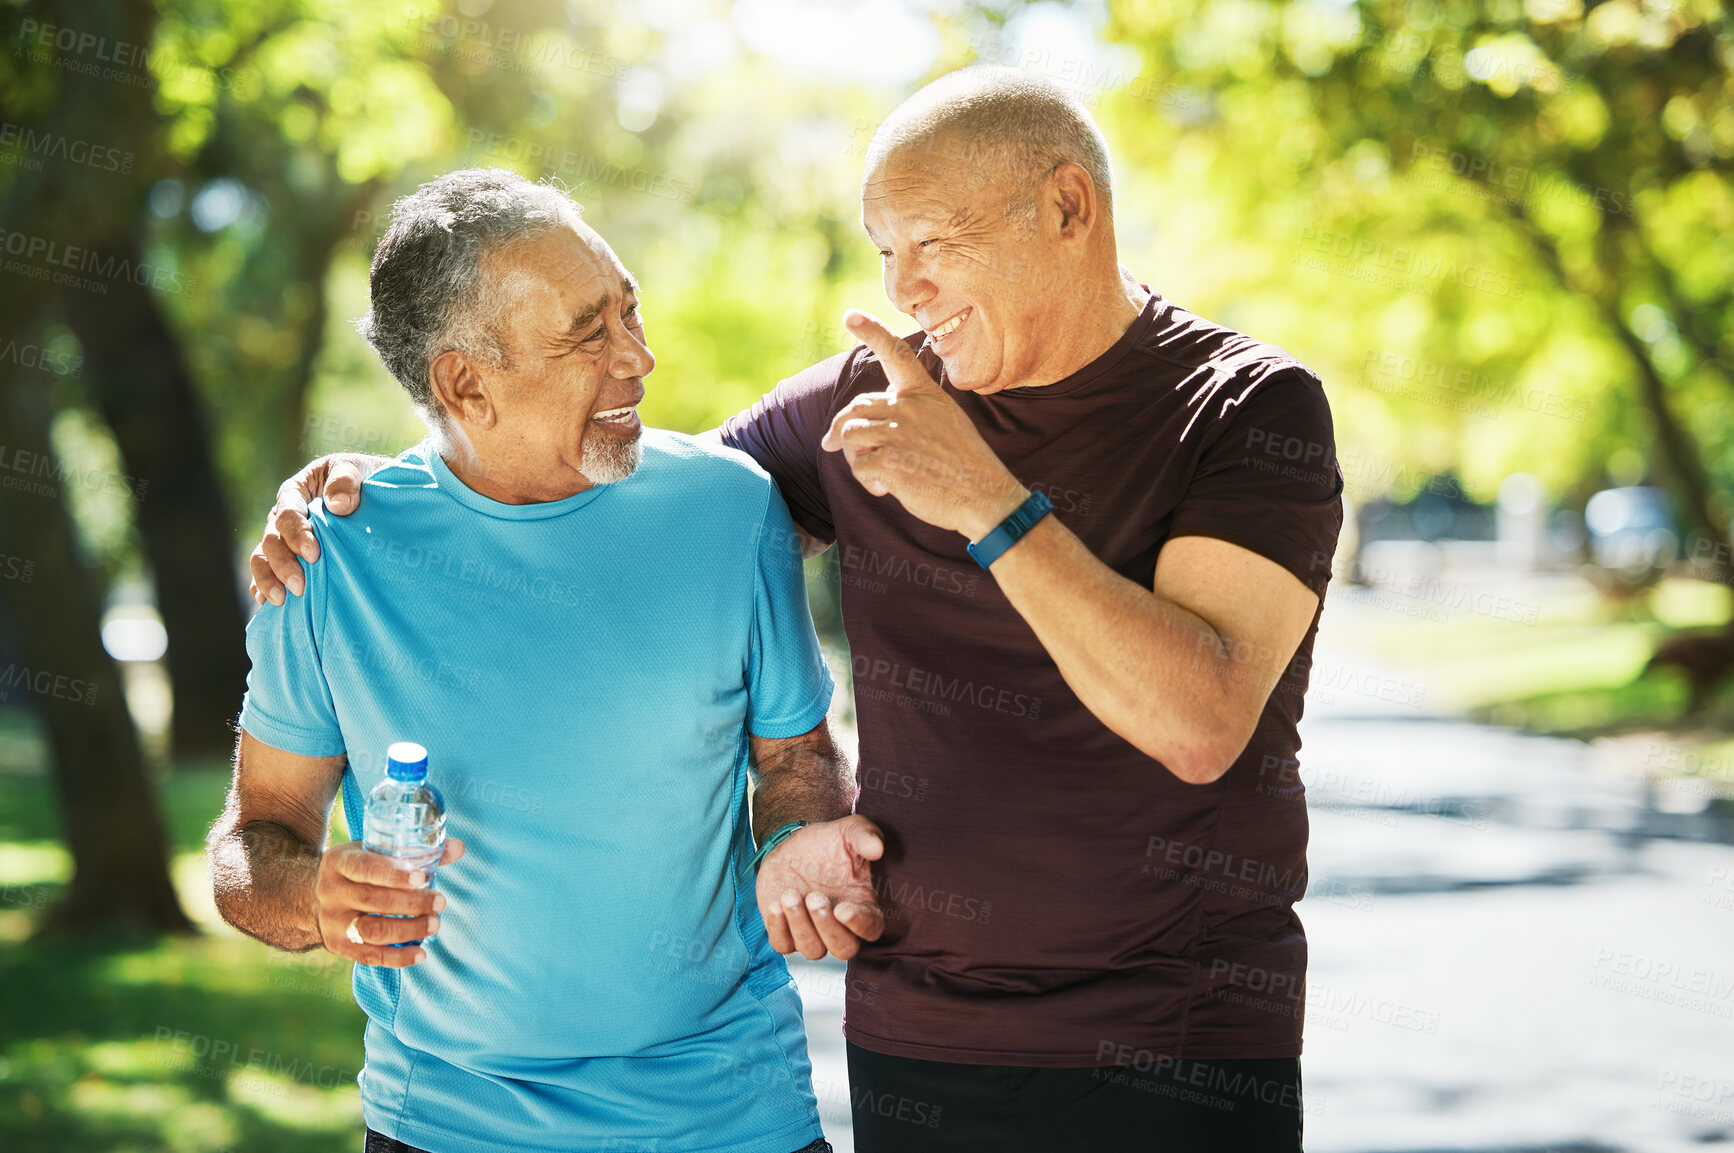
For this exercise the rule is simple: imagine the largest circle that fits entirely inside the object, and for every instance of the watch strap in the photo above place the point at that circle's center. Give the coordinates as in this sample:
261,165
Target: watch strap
1011,530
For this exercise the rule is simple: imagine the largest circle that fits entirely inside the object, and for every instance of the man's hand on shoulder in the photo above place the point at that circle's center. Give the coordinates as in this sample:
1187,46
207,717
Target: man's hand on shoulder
289,535
815,890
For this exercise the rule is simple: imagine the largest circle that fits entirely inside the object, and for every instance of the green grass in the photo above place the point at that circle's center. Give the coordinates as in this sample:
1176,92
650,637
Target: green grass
194,1045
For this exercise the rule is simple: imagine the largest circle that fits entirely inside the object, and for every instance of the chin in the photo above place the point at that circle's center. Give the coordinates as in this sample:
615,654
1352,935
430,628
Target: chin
965,378
608,459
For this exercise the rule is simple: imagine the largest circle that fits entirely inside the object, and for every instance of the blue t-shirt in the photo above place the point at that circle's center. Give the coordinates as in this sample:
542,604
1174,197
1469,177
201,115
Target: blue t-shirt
584,674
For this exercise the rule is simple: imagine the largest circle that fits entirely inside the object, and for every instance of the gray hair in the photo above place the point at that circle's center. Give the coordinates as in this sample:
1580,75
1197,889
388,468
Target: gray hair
428,291
1023,125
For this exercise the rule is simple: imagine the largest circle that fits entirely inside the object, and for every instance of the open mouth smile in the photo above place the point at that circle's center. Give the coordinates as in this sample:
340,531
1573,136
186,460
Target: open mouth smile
940,331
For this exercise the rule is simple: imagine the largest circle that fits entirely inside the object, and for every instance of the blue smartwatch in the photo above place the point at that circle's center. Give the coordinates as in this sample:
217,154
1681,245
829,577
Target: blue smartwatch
1011,530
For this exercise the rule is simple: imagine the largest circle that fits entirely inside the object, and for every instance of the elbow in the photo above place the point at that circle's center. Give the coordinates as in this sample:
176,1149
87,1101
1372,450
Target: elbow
1199,765
226,863
1201,756
1204,768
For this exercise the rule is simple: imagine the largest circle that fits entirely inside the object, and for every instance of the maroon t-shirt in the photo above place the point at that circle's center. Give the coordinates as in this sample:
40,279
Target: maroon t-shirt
1054,897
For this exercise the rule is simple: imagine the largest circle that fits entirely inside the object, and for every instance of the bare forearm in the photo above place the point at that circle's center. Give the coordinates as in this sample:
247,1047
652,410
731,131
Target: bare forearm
812,781
265,879
1152,671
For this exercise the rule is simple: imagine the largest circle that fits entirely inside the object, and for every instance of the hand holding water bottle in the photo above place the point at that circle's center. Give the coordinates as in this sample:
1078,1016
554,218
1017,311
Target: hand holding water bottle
376,901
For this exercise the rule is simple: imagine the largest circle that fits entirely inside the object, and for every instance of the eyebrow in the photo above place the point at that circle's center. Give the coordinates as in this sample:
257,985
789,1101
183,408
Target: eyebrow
584,319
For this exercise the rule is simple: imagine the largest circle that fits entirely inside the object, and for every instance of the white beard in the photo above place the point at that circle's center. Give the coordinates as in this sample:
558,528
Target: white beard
607,459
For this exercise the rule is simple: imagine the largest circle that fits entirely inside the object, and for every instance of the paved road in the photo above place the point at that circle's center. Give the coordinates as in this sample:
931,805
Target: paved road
1504,956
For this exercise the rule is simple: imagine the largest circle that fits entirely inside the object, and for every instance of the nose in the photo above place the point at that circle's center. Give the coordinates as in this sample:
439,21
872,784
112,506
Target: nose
907,285
634,357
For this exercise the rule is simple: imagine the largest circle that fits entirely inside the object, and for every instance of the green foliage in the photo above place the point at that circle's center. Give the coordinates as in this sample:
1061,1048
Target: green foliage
1455,210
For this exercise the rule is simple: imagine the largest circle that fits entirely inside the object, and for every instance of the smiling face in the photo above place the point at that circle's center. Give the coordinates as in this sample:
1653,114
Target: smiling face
963,266
561,415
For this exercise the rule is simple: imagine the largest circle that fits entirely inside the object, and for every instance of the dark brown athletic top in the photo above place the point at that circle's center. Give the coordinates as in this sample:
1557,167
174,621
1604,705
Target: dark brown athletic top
1055,897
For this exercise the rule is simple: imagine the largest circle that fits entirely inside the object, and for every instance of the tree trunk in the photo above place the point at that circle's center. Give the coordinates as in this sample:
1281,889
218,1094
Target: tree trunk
109,812
1682,463
141,384
108,808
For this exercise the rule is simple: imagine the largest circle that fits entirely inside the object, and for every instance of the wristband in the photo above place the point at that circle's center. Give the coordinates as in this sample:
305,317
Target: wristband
782,834
1011,530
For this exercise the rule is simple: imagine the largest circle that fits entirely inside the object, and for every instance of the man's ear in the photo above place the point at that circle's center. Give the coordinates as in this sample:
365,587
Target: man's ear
460,389
1073,193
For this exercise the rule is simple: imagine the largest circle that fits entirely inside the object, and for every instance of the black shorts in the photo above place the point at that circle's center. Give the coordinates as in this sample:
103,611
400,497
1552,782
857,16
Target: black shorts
380,1143
903,1105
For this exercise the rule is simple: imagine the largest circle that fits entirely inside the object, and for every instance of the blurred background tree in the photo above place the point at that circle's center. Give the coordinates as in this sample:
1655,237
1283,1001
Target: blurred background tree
1546,187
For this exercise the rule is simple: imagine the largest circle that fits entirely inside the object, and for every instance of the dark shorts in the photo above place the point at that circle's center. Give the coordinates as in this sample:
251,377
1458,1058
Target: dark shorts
379,1143
1240,1106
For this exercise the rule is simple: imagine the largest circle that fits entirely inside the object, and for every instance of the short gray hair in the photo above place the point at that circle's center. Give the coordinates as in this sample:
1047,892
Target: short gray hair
428,291
1024,125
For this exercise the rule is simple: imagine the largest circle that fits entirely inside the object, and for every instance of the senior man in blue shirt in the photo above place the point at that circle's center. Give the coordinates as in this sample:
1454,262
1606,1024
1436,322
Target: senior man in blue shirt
598,632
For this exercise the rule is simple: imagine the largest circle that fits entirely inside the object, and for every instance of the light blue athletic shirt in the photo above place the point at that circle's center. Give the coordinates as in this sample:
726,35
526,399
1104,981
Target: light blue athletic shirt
584,674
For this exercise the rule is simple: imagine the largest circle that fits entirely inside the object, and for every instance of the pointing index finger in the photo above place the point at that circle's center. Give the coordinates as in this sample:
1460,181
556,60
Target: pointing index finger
902,367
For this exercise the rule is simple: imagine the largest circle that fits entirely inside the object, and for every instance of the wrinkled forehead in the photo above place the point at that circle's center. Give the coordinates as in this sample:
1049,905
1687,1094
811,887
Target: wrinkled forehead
559,264
554,284
934,182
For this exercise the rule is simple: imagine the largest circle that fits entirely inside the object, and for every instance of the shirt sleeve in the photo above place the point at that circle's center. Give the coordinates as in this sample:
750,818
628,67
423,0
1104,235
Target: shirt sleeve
788,684
1269,480
288,703
782,432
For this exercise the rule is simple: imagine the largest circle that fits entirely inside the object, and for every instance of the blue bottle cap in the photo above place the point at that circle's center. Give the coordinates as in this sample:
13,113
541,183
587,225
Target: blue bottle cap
406,761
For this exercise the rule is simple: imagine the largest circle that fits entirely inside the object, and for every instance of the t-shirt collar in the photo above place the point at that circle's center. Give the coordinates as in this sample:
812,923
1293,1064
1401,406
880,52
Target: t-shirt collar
470,498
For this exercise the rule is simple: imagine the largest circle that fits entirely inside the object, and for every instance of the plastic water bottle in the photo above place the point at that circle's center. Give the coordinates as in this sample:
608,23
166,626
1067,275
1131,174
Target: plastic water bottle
405,817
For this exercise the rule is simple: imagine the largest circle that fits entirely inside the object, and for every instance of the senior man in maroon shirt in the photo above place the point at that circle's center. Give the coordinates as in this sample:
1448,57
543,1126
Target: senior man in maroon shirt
1078,767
